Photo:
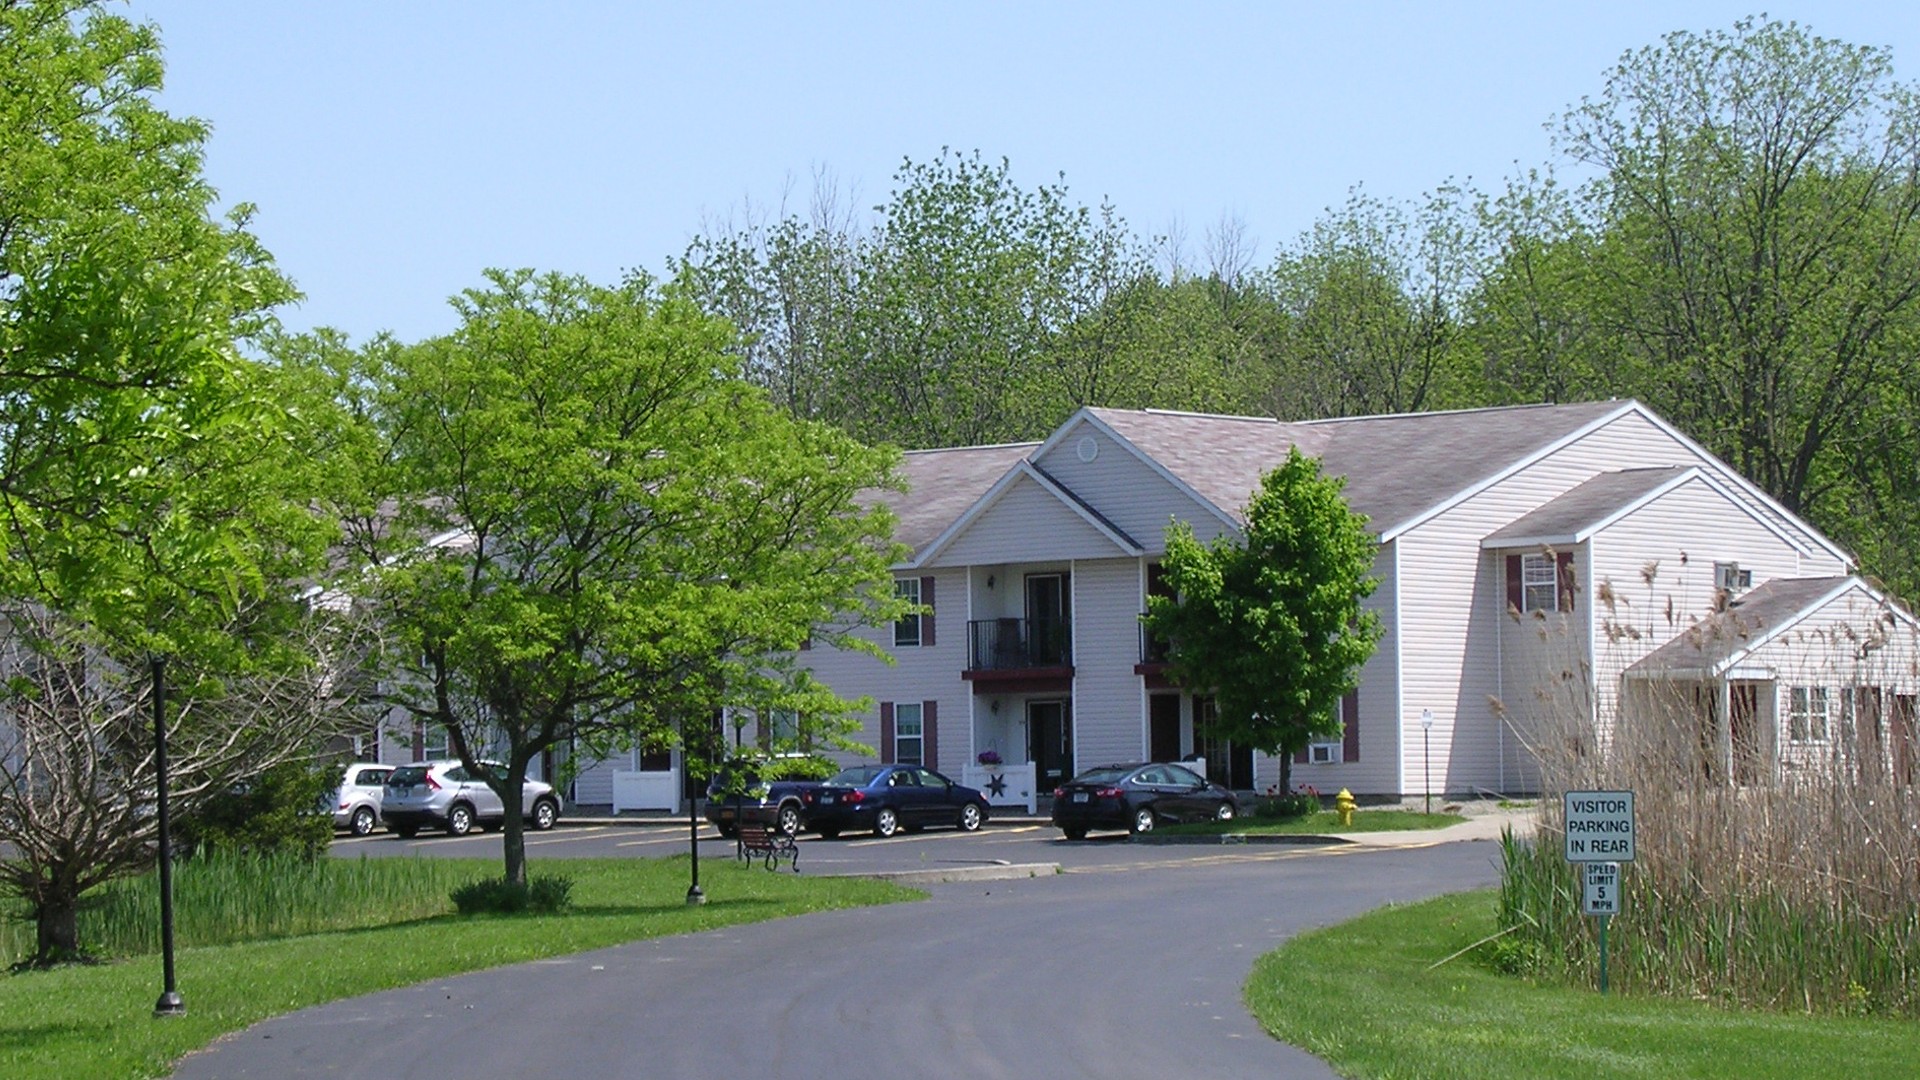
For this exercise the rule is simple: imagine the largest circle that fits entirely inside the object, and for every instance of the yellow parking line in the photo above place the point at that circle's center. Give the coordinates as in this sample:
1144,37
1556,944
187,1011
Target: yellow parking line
571,834
680,838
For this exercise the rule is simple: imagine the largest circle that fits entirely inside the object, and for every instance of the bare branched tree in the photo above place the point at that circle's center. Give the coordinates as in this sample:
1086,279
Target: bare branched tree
78,783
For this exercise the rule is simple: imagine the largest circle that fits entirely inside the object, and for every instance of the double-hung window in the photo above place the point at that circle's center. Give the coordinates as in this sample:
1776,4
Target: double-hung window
907,630
1807,714
1539,583
909,730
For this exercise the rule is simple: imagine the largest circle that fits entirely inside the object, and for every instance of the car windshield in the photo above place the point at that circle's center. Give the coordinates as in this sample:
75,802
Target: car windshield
407,775
1101,776
858,776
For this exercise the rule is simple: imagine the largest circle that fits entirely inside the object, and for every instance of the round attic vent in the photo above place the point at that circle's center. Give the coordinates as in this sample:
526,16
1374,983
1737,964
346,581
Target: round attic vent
1089,448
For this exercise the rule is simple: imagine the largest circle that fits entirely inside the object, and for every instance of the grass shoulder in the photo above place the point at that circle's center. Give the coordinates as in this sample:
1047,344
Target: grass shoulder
1364,996
1325,822
95,1020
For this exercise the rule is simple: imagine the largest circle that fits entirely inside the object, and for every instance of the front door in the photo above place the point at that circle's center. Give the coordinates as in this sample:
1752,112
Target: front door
1049,743
1163,727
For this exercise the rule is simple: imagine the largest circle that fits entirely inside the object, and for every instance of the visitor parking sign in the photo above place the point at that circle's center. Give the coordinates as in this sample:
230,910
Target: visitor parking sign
1599,826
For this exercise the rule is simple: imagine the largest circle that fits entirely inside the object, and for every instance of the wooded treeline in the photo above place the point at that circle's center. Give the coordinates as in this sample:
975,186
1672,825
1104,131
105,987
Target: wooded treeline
1735,245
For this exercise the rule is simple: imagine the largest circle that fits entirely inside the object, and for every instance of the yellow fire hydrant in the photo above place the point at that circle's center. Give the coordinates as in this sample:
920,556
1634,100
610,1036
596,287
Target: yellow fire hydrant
1344,805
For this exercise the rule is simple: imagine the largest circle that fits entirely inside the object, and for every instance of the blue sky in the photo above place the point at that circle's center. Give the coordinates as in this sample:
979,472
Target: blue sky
396,149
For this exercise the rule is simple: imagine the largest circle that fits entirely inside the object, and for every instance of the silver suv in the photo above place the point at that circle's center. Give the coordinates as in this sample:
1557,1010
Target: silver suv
442,794
355,804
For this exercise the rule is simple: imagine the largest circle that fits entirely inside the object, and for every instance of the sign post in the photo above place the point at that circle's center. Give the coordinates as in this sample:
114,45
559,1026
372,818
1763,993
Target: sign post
1600,838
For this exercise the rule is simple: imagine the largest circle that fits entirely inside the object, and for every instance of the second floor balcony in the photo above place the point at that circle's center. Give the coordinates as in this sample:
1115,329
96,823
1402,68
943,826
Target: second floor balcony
1019,645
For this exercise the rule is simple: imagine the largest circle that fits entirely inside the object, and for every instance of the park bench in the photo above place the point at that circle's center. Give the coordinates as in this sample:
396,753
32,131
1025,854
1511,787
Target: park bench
755,840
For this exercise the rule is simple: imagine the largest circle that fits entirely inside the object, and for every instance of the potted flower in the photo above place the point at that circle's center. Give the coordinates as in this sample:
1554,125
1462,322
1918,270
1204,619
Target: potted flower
988,757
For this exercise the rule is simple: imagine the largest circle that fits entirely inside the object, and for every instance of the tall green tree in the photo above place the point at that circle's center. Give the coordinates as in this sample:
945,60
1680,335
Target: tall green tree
1371,296
156,487
1270,621
584,528
1746,259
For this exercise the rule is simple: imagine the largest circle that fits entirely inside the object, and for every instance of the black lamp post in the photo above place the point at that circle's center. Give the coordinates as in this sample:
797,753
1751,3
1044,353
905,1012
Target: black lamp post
170,1003
695,897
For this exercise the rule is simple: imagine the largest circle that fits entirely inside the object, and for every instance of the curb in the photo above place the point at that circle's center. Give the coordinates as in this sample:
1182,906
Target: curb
996,872
1304,839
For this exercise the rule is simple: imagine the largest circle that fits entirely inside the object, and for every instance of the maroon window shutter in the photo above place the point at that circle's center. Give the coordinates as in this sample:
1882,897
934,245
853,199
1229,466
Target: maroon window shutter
1299,757
929,733
1350,727
1563,570
926,620
1515,597
806,643
886,731
419,740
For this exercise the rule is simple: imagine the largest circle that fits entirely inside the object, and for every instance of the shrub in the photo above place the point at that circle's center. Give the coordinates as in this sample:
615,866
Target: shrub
498,896
281,810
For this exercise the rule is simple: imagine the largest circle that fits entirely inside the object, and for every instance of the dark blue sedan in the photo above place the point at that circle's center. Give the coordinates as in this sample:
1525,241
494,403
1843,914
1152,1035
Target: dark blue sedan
888,798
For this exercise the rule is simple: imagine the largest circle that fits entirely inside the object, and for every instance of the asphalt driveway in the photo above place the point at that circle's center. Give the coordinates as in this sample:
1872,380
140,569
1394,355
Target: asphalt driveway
1127,967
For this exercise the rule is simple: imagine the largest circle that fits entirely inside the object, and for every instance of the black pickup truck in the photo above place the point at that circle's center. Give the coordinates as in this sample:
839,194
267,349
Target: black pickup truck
733,797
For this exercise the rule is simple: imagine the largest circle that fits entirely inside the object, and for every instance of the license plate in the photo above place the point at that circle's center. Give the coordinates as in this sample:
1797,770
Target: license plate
1079,796
726,815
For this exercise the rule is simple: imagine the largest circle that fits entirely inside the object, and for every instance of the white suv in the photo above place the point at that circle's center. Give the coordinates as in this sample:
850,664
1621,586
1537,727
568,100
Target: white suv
444,795
356,802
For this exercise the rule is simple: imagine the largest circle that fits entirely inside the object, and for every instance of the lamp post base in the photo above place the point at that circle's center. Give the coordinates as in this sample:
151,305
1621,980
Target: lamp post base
695,897
170,1004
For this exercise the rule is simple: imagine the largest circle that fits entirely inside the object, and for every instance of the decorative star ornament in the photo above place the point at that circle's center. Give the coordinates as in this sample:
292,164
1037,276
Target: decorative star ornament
996,784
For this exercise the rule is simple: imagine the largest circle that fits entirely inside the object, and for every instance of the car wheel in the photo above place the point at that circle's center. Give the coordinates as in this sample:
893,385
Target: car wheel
545,813
727,832
362,822
970,817
886,822
1225,813
460,820
829,834
1143,819
1075,834
406,832
788,819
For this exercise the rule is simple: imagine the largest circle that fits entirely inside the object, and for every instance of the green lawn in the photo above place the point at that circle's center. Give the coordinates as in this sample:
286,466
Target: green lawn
1317,824
96,1021
1361,996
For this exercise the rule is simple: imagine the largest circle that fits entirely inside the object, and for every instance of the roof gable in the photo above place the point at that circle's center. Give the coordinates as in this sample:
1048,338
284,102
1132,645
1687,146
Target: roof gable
942,485
1050,521
1588,508
1719,643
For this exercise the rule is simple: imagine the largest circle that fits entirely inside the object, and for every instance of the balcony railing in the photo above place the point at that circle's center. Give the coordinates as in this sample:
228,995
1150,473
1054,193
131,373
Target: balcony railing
1153,649
1018,644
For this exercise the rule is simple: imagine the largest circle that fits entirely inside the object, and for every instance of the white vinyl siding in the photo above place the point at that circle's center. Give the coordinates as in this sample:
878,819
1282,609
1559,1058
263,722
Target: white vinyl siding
1677,539
926,673
1109,713
1127,491
1027,524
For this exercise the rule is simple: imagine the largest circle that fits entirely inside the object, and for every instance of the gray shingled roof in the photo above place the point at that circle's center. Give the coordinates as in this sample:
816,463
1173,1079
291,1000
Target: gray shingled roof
1586,505
942,484
1397,467
1764,609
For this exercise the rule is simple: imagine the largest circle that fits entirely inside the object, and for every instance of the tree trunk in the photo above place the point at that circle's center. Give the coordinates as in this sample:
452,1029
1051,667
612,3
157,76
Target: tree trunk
58,939
513,828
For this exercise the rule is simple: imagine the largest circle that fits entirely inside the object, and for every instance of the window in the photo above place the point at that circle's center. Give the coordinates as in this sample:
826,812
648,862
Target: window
1539,583
1729,576
907,630
1323,753
908,745
1807,714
